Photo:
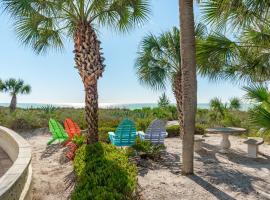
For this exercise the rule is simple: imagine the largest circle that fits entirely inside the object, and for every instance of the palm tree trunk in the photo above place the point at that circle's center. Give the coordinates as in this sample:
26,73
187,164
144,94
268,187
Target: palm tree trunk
177,90
89,62
189,83
13,103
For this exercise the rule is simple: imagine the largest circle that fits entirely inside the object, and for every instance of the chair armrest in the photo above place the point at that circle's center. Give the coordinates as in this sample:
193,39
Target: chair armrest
111,136
140,133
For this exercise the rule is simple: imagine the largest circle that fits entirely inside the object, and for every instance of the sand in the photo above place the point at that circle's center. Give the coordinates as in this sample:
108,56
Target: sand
217,176
52,172
5,162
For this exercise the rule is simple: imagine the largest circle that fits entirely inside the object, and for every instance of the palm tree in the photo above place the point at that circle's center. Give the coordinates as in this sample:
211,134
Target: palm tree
1,85
216,105
15,87
245,58
44,24
235,103
159,62
259,115
188,86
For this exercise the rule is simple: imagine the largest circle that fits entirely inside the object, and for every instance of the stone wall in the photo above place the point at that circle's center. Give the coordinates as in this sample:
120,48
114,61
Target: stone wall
15,184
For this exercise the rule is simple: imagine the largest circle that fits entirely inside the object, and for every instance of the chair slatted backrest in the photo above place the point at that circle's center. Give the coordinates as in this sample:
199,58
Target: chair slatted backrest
156,132
125,134
56,129
71,128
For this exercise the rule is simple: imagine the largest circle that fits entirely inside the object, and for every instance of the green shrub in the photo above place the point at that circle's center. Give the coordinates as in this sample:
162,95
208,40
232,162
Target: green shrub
173,131
231,120
103,172
79,140
145,149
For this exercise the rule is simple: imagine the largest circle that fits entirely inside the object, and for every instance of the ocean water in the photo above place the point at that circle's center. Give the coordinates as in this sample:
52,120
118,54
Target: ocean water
130,106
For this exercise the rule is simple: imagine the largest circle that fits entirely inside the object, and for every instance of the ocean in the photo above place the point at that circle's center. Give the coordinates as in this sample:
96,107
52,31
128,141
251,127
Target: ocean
130,106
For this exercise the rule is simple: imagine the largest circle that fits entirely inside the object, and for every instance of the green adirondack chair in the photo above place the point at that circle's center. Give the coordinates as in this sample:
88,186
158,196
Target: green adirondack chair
124,135
58,132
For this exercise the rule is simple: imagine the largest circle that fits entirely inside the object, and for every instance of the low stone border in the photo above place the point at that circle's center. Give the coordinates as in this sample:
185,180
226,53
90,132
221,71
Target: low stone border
15,184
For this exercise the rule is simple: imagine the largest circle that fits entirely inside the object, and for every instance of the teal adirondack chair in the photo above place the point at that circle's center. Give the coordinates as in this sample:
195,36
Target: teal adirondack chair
58,132
124,135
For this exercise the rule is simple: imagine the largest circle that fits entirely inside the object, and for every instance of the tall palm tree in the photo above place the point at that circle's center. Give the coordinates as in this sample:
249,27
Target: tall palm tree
44,24
14,87
188,85
159,62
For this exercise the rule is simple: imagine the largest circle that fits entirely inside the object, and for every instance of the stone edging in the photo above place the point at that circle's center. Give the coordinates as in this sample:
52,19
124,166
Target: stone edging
15,184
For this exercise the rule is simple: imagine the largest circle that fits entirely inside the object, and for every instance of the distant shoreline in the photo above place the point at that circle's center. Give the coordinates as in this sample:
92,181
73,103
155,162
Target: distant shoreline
130,106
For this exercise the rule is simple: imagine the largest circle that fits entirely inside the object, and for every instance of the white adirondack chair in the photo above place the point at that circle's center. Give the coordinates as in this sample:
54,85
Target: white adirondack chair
156,132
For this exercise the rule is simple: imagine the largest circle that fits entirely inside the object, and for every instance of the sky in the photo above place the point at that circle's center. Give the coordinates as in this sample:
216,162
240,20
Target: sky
55,80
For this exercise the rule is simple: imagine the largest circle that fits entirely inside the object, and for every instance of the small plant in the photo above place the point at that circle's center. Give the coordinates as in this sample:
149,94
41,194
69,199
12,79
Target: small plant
163,101
146,149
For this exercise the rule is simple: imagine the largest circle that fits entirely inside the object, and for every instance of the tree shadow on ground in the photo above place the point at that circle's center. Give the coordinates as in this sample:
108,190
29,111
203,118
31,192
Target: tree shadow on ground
50,150
219,194
239,157
168,160
220,172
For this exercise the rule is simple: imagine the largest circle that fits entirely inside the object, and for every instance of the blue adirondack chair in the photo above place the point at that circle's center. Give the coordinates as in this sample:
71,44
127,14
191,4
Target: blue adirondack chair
155,133
124,135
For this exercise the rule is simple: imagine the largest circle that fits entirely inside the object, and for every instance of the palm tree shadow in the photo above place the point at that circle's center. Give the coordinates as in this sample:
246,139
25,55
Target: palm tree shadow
219,194
220,174
50,150
168,160
239,157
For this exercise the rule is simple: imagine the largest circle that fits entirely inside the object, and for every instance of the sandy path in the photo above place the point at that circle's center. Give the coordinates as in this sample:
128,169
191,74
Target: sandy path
218,176
51,171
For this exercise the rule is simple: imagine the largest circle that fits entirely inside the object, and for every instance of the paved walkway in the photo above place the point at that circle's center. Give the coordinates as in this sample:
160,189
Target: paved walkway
5,162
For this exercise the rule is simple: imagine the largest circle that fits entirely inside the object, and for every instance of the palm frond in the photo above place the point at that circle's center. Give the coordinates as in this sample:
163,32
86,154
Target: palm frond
260,117
257,93
121,15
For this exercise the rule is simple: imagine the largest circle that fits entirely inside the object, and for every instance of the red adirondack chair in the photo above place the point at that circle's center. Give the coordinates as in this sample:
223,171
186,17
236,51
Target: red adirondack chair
71,128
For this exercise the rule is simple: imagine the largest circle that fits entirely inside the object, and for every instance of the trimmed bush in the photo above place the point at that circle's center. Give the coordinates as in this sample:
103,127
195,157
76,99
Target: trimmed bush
103,172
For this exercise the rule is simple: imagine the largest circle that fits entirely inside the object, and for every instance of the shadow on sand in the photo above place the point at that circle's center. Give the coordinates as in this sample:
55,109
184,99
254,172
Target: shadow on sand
219,170
210,188
50,150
